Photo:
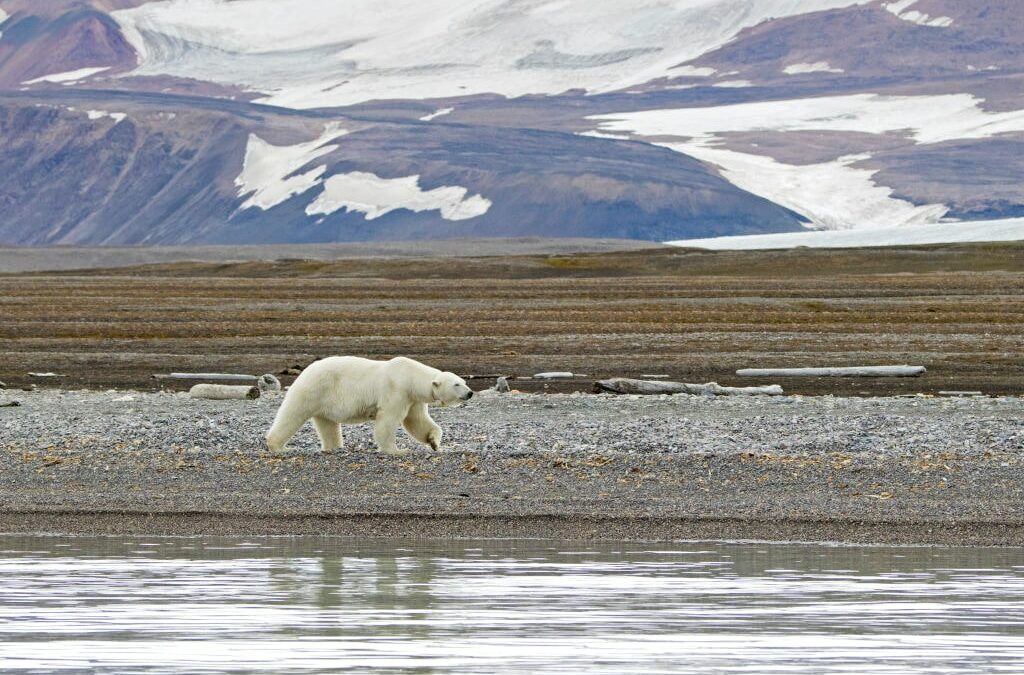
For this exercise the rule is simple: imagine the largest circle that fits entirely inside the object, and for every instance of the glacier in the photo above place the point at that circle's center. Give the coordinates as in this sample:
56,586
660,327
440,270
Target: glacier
834,195
319,53
1010,229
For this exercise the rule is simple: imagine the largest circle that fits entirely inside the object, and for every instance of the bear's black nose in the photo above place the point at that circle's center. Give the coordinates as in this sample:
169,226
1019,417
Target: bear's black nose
468,396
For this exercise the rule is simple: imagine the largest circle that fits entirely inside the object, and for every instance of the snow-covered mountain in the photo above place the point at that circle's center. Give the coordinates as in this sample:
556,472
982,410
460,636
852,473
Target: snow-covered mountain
248,121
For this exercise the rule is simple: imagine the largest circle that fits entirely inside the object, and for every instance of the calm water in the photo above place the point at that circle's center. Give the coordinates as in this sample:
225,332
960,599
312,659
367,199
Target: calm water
310,604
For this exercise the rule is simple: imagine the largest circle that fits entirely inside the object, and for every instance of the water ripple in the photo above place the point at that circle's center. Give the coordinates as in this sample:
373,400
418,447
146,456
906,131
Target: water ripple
315,604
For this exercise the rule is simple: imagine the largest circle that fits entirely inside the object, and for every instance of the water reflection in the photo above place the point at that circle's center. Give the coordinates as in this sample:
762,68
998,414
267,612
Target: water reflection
282,604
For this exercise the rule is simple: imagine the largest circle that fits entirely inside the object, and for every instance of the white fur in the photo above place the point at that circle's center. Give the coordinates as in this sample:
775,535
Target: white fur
352,390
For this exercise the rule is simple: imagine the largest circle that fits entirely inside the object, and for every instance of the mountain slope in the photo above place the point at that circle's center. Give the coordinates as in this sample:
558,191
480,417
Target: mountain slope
209,121
166,172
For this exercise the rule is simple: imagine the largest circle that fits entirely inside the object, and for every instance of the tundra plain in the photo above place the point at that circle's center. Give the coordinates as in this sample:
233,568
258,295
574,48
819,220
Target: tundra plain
690,315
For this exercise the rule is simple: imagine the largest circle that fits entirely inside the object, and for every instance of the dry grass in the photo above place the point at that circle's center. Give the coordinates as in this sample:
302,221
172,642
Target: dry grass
696,316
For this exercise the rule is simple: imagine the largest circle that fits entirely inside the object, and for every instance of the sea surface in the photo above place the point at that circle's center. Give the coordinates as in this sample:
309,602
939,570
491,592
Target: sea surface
320,604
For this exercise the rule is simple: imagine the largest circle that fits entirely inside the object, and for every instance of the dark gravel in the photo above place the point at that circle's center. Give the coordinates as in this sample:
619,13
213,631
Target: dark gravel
878,469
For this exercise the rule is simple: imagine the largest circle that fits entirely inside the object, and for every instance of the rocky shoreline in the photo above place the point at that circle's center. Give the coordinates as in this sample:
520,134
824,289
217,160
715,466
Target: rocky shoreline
893,470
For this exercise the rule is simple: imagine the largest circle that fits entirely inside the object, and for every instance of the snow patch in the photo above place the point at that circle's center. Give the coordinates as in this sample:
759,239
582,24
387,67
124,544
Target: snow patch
938,233
267,171
376,196
69,77
100,114
899,6
925,20
436,114
833,195
691,71
914,16
816,67
321,53
734,84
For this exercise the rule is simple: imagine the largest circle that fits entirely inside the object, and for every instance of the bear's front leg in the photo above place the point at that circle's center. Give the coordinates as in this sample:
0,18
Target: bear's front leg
421,427
384,431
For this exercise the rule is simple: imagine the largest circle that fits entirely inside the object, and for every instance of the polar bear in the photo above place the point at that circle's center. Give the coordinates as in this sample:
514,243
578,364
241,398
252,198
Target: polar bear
351,390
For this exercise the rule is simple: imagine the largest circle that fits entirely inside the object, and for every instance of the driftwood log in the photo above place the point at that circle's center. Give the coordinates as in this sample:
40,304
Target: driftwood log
223,392
268,384
208,376
624,385
856,371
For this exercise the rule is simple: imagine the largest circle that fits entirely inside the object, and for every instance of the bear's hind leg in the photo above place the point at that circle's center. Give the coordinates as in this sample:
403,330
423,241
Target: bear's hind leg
421,427
284,427
329,432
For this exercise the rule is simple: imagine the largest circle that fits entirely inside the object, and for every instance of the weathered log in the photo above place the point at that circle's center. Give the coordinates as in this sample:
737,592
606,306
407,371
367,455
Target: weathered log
557,374
625,385
223,392
268,383
855,371
207,376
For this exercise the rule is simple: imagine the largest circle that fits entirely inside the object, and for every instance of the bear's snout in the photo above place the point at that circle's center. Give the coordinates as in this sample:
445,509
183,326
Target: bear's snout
469,395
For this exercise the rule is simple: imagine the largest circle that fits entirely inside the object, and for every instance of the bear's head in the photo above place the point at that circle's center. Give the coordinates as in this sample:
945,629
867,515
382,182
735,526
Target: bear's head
448,388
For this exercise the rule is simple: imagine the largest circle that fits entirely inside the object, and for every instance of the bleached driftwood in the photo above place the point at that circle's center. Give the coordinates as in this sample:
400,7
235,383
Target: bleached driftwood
223,392
268,383
856,371
44,375
557,374
625,385
207,376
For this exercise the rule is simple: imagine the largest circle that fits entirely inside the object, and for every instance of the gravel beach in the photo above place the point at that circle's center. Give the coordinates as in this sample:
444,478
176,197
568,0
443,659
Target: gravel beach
900,470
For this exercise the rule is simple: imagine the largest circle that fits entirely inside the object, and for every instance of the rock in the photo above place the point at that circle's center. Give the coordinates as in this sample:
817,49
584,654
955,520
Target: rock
501,386
10,404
